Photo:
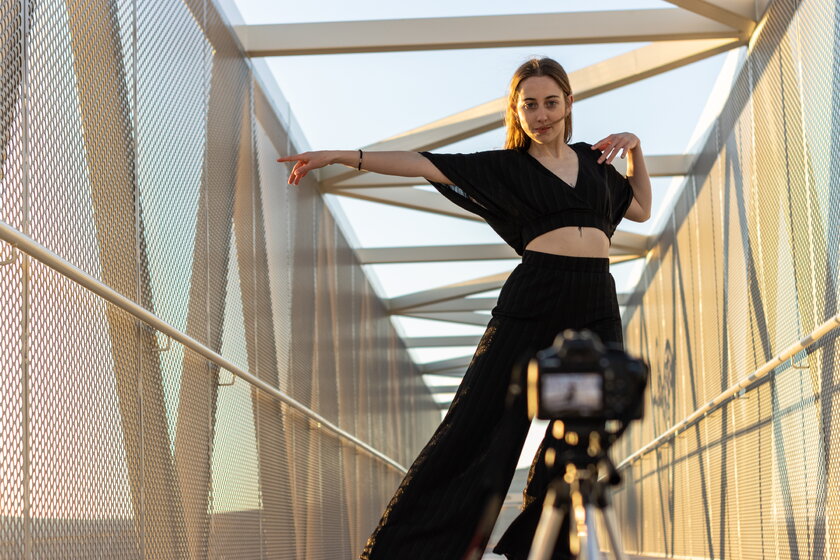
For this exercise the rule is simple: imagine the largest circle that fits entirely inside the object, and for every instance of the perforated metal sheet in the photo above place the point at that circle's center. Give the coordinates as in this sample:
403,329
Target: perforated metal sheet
747,266
142,159
12,472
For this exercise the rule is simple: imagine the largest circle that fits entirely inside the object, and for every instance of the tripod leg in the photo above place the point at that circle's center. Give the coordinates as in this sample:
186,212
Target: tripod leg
612,532
590,545
549,526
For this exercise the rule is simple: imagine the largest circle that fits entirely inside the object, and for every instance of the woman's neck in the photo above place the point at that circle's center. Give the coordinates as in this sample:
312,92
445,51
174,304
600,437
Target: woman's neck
555,149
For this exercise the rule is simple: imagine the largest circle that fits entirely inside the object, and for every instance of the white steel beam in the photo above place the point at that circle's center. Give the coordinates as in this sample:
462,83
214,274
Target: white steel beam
657,165
441,341
445,365
445,293
621,70
436,253
415,199
738,14
441,390
661,165
459,305
455,373
624,244
462,317
516,30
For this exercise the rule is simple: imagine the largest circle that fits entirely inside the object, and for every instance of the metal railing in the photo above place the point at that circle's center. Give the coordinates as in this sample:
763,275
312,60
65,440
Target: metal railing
21,242
735,390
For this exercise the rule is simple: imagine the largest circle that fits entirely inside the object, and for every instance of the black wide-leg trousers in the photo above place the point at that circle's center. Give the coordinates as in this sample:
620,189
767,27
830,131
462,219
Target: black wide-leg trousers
435,511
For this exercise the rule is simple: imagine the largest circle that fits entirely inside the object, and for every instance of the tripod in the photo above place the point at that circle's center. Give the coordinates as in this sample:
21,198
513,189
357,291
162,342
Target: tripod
576,491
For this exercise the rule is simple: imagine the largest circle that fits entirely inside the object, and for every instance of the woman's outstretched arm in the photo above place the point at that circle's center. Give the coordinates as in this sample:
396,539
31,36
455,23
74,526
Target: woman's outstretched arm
629,144
401,164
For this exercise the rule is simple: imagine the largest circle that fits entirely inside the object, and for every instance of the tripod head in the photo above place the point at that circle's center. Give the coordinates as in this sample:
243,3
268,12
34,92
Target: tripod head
584,446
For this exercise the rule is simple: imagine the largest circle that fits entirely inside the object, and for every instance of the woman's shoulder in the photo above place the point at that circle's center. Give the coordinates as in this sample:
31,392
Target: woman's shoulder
502,158
585,148
503,153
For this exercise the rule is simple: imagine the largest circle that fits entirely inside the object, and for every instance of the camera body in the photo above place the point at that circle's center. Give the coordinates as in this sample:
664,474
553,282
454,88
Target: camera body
578,378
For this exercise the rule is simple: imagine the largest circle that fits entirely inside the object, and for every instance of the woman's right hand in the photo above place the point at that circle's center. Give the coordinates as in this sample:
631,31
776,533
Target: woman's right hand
306,162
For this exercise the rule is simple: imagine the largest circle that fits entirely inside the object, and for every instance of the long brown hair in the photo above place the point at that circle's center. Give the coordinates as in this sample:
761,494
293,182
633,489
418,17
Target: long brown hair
516,137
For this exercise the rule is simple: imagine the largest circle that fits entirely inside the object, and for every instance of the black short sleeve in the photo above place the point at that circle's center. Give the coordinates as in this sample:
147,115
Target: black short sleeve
480,185
620,192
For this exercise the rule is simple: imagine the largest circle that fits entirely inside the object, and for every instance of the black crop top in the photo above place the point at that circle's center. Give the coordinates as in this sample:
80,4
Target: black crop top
521,199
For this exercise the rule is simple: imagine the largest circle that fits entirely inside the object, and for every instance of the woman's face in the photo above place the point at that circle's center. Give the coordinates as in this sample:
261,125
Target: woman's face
542,107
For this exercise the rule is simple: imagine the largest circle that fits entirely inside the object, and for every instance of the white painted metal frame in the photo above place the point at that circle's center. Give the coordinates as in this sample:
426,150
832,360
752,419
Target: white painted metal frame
694,30
570,28
615,72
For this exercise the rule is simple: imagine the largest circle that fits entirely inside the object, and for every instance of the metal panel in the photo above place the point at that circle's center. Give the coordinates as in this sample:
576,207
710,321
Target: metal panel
746,267
131,148
14,478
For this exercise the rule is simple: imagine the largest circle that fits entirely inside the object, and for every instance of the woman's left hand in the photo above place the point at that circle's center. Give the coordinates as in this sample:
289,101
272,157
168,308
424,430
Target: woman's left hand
614,143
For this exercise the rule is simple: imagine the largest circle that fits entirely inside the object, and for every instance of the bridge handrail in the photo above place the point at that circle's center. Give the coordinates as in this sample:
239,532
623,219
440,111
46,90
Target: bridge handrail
733,391
22,242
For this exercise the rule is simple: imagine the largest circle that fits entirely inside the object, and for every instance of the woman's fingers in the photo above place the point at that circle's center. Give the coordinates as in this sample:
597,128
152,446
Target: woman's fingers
614,150
614,145
304,163
605,145
293,157
293,173
299,172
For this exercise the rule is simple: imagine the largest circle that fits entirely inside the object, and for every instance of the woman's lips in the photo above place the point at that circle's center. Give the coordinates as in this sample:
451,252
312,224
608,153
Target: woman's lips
542,130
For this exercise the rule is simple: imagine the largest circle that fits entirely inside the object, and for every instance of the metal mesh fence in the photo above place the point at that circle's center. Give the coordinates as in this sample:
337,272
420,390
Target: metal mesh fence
136,144
747,267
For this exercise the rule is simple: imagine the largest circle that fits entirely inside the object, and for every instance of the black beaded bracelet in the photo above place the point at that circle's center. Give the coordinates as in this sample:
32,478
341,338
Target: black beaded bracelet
360,160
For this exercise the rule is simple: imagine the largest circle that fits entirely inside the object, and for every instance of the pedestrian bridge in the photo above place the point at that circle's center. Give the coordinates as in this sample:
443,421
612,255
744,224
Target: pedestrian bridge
195,361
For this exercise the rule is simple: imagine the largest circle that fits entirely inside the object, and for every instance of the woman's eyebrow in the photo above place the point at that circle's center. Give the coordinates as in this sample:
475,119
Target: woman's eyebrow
534,98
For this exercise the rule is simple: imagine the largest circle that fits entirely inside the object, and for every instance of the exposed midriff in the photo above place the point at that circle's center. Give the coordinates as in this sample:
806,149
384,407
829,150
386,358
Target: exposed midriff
573,242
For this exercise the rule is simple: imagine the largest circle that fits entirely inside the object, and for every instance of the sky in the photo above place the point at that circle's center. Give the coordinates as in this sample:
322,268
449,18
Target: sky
348,101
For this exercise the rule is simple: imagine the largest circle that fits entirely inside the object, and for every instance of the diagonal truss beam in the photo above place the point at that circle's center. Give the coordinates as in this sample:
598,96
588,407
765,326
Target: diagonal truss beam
714,11
462,318
441,341
414,199
444,389
455,373
435,253
621,70
462,305
444,293
445,365
563,28
627,245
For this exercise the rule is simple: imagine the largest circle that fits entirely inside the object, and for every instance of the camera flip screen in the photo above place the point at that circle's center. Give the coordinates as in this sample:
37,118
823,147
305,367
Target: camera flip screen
573,394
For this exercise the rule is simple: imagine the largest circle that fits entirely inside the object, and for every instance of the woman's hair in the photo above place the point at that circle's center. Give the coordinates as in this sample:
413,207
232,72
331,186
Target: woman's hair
516,137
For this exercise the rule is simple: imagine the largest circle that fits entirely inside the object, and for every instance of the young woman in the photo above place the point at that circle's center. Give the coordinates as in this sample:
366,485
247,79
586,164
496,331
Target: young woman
557,205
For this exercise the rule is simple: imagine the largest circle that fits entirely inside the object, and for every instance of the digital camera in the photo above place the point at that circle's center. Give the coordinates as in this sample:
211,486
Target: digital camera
577,377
